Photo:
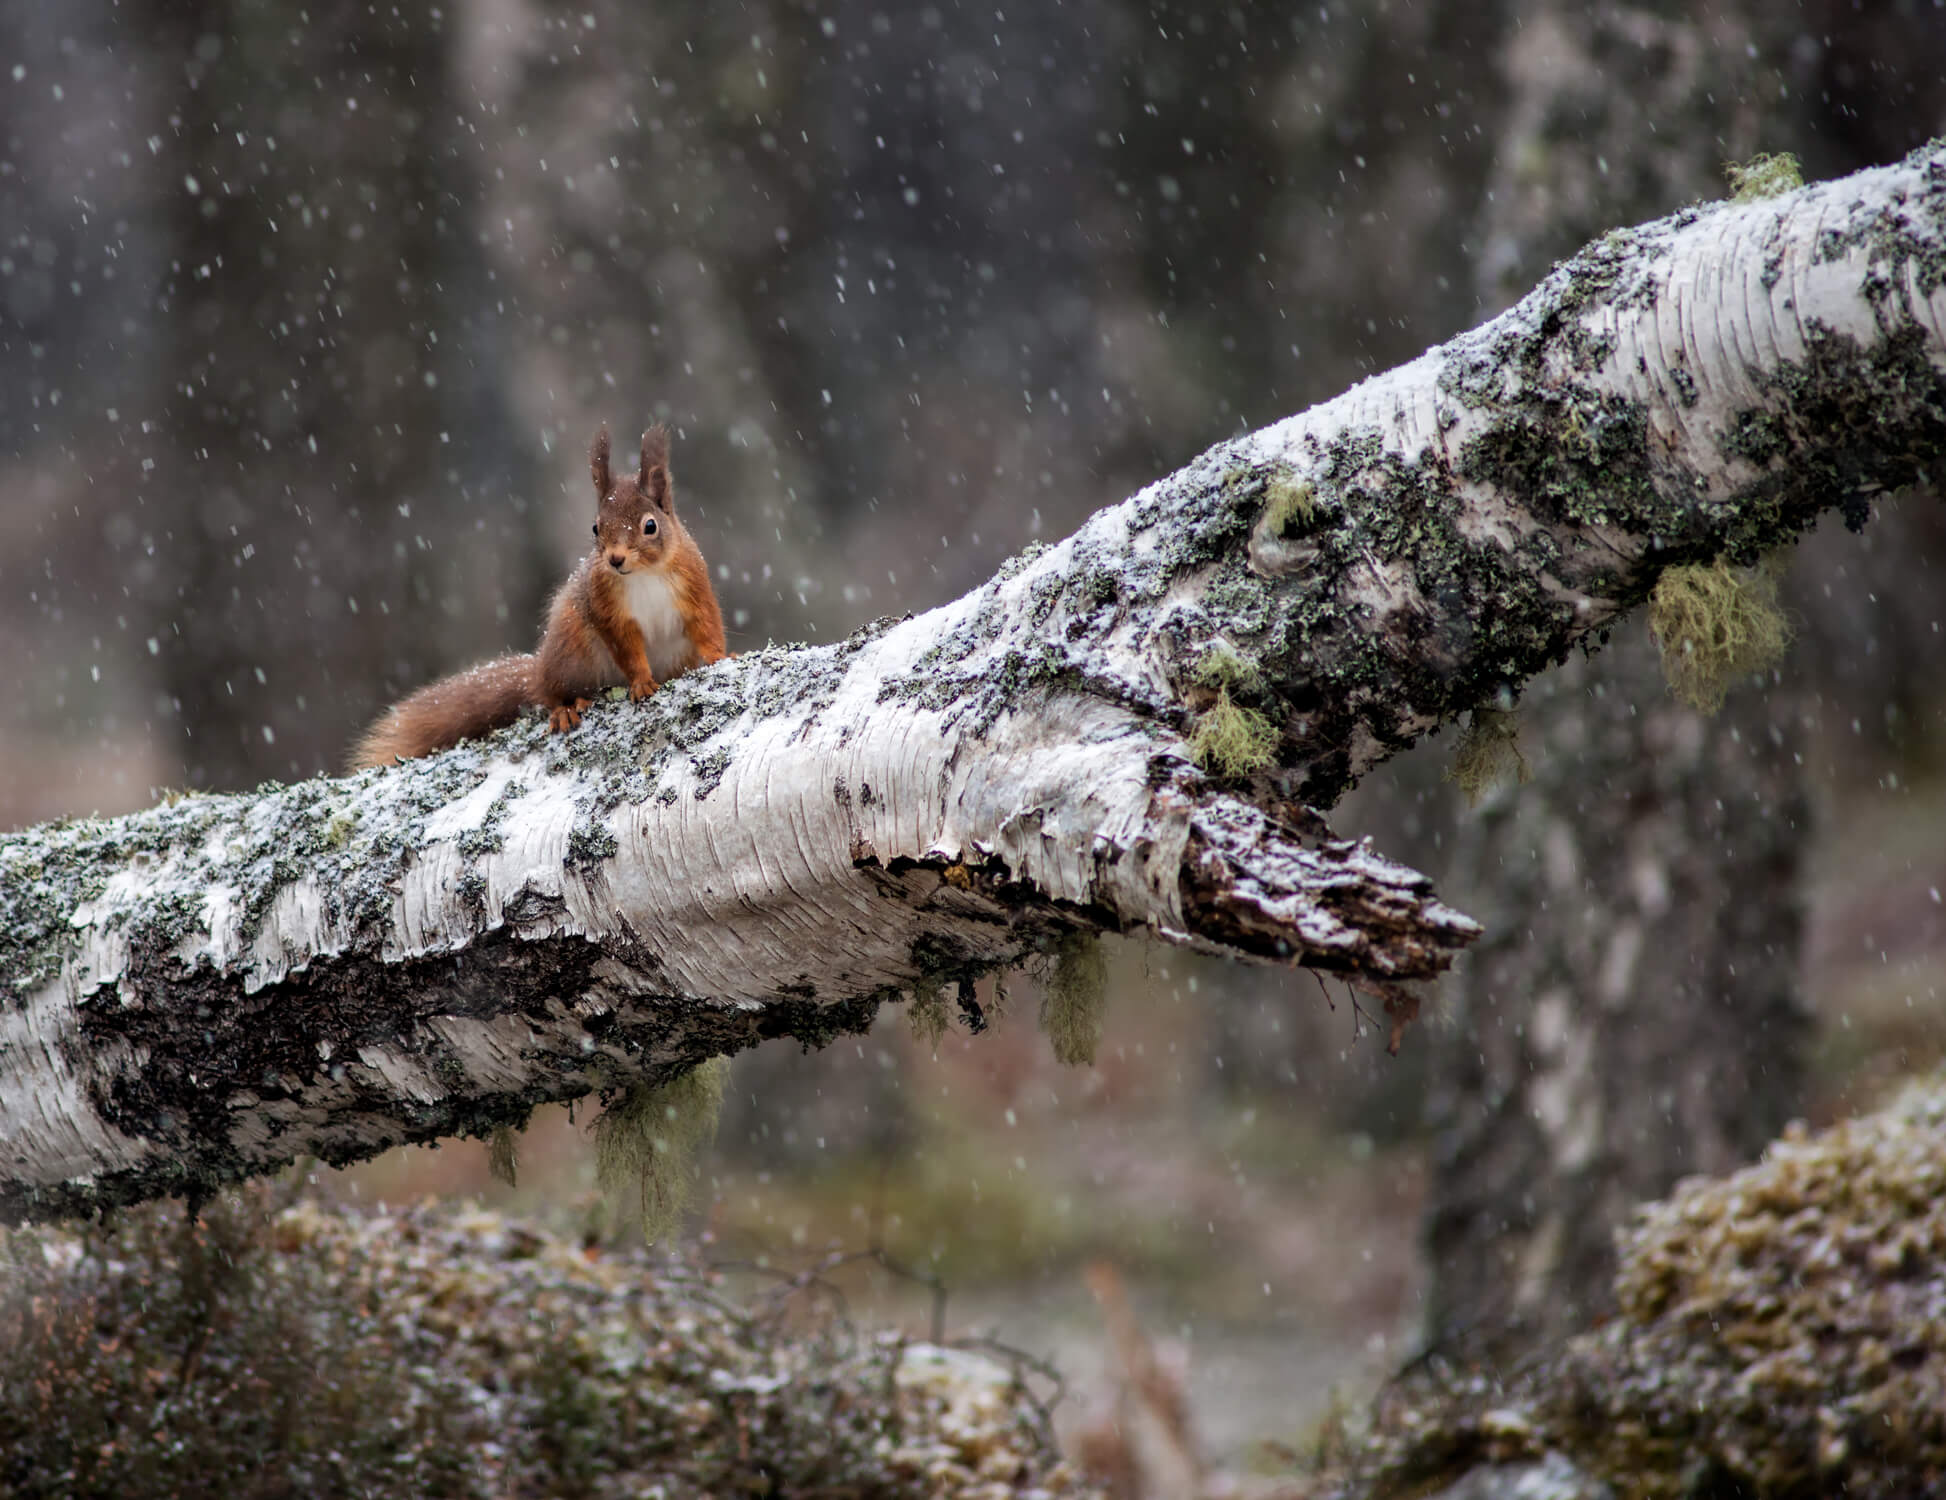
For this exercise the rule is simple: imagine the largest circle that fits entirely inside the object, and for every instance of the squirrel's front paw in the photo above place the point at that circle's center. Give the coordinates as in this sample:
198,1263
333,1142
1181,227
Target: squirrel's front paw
640,689
566,715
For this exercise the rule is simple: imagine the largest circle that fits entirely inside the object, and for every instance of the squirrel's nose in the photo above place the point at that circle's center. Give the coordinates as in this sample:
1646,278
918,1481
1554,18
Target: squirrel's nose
616,559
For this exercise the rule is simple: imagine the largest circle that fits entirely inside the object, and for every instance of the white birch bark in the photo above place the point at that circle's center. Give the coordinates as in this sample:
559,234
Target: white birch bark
776,844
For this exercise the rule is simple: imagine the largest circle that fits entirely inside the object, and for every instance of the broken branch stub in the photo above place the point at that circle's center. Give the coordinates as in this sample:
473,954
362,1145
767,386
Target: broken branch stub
774,845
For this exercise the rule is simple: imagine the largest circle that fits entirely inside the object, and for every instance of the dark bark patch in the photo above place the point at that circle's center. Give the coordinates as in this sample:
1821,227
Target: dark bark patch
208,1055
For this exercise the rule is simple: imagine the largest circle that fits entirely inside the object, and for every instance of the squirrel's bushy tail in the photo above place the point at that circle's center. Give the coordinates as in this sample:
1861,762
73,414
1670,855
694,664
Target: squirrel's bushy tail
461,707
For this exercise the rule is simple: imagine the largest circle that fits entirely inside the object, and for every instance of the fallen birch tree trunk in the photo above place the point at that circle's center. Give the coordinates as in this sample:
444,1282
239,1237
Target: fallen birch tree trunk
1124,732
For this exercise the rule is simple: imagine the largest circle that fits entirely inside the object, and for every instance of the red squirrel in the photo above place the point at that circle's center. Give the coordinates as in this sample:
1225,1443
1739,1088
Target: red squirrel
637,611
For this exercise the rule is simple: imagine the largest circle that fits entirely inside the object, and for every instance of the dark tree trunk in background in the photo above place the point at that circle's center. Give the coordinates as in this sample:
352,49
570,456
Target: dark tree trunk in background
1635,1016
321,211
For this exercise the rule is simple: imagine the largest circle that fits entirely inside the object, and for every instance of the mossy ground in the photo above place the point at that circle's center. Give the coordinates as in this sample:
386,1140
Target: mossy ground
165,1356
1781,1332
267,1351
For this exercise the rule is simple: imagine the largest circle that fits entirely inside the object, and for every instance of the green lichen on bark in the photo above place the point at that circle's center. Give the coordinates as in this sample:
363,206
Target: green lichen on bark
1223,668
208,851
1820,438
589,844
337,832
1576,456
1468,613
1895,252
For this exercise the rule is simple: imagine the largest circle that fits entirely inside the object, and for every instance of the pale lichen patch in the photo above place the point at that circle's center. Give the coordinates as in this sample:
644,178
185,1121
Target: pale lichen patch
1488,754
1223,667
1233,741
1763,176
1289,502
1713,624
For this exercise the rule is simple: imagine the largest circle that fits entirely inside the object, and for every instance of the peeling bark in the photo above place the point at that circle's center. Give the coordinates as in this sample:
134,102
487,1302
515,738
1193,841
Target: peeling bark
776,844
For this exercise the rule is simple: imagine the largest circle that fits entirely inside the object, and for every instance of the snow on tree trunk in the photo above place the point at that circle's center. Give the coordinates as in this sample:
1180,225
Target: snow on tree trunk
776,844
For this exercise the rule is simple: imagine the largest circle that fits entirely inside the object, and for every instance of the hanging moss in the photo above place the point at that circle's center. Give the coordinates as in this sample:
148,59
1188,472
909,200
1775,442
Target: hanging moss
1763,176
503,1156
651,1138
1714,624
1289,503
1233,741
1002,1000
1488,754
1077,994
926,1015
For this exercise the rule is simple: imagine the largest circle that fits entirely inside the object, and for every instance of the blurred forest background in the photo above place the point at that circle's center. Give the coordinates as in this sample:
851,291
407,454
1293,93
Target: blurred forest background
306,317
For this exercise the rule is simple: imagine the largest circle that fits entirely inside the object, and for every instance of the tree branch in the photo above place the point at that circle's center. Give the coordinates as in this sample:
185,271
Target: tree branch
775,845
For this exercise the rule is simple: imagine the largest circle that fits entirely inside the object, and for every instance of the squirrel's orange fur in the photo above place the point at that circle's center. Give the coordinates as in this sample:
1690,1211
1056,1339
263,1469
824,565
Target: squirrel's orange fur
638,610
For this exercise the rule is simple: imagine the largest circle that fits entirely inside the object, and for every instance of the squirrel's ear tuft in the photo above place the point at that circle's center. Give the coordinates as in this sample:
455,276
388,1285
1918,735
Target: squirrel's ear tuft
654,478
598,463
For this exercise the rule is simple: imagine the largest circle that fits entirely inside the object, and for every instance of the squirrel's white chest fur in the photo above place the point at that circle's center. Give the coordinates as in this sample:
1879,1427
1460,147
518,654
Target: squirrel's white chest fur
652,601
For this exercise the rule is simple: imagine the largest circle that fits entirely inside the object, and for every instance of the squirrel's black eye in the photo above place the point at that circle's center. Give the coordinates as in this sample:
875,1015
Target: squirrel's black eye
596,528
648,526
